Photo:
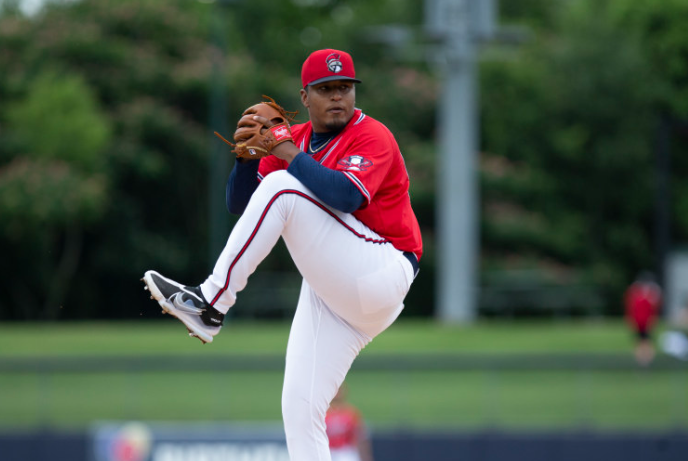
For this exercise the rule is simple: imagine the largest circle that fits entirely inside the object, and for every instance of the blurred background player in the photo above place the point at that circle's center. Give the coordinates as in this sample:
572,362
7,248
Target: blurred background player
642,303
349,439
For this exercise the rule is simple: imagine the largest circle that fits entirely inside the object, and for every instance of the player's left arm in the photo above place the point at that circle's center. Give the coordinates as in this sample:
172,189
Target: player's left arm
368,162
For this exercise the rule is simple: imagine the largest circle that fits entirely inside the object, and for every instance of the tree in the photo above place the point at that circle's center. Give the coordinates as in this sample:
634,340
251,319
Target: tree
147,70
53,190
573,191
98,123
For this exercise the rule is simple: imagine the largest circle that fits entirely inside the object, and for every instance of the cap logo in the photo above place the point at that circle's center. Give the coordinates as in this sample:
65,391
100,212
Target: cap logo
334,63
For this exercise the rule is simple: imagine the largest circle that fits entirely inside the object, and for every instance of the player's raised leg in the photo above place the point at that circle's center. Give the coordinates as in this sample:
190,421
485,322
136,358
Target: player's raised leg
359,274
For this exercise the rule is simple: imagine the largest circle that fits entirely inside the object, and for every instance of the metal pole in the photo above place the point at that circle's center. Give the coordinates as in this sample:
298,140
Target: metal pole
457,191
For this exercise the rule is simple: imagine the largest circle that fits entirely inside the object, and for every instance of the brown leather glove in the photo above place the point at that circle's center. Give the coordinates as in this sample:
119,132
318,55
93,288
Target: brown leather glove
255,140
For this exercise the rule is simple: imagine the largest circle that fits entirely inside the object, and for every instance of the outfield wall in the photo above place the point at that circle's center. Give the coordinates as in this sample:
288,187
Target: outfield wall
255,444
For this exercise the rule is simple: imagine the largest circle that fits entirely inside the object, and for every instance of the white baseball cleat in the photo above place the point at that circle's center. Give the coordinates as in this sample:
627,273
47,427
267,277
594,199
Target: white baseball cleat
186,304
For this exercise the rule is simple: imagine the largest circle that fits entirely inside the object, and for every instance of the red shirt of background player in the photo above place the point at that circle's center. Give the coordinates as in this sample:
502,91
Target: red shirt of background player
642,301
343,426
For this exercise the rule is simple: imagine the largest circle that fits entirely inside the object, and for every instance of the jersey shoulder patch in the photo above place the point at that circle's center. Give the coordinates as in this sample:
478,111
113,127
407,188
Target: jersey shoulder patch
355,163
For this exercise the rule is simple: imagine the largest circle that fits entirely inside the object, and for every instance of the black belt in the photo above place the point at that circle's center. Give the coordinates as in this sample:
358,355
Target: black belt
413,259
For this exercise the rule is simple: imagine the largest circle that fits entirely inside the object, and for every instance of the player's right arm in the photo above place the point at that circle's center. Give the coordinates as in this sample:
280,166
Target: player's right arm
242,183
244,179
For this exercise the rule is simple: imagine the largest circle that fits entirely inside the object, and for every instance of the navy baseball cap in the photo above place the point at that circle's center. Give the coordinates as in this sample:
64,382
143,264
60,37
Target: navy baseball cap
327,65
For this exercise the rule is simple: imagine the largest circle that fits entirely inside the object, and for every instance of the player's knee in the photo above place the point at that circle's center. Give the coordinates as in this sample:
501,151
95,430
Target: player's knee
280,180
299,413
296,415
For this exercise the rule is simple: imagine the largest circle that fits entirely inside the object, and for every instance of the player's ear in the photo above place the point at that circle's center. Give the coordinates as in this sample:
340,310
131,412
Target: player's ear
304,97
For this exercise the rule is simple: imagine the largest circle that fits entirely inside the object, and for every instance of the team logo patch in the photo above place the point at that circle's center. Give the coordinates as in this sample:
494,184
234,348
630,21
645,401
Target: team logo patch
334,63
355,163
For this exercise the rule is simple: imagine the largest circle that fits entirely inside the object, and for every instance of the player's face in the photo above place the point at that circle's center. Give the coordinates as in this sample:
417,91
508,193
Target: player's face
330,104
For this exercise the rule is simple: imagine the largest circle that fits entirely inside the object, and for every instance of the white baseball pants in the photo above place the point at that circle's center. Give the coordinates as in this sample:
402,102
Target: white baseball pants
354,284
345,454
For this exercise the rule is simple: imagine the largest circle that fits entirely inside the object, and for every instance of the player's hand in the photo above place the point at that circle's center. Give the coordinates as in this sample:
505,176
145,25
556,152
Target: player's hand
263,121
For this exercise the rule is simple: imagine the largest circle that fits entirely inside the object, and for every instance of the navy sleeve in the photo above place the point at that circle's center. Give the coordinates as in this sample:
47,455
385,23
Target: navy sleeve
242,183
330,186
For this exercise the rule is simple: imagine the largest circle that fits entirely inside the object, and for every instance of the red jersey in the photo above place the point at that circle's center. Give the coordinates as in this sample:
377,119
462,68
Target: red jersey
343,426
367,153
642,303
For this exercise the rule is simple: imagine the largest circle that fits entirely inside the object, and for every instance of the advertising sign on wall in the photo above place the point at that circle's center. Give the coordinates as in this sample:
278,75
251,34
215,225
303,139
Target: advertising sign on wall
137,441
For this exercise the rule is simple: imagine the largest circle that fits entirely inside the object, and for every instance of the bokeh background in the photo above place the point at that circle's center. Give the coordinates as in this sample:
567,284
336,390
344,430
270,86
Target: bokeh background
108,168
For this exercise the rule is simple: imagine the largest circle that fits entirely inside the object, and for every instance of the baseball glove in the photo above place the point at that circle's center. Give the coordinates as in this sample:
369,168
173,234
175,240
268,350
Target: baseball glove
255,140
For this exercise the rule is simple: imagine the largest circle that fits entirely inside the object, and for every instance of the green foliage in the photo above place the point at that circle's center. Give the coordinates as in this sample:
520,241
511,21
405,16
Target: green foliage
52,188
662,37
537,14
36,196
659,27
59,119
57,179
108,107
574,118
159,75
100,117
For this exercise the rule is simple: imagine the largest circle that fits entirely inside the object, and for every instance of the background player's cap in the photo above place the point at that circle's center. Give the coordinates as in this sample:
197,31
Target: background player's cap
326,65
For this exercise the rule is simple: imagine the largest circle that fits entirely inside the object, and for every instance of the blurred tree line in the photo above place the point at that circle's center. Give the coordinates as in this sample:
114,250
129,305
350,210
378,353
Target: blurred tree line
105,139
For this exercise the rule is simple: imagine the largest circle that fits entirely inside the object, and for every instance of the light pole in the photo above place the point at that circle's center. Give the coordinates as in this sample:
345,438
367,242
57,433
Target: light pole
458,26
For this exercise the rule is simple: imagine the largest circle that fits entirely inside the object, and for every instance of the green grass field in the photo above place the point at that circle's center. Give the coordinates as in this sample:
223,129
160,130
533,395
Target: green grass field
415,375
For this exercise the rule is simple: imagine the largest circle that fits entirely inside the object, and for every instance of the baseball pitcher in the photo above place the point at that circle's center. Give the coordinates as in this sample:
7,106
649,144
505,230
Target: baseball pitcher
336,190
